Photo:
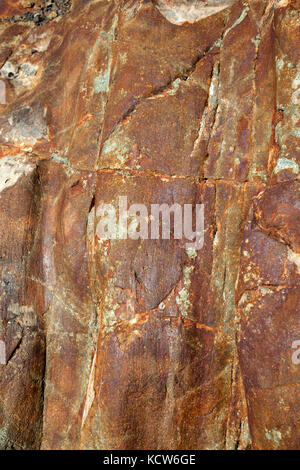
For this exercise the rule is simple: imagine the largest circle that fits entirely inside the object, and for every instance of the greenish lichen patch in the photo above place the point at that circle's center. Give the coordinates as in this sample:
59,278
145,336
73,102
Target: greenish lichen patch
116,150
183,297
273,435
286,164
64,161
101,82
191,252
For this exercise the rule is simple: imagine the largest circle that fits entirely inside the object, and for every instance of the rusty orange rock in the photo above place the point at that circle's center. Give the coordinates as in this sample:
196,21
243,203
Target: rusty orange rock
140,343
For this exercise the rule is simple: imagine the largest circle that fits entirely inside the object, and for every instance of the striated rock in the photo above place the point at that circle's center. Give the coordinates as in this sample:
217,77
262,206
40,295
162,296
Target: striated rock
140,343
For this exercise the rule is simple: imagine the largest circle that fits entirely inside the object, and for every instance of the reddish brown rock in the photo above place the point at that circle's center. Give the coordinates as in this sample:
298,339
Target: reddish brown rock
140,343
268,297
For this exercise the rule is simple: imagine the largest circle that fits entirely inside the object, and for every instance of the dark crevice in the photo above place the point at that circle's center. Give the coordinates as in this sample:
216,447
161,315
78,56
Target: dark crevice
92,205
13,353
183,75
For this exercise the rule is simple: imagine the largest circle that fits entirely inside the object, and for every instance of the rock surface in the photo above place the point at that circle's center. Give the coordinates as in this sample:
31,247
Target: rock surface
140,344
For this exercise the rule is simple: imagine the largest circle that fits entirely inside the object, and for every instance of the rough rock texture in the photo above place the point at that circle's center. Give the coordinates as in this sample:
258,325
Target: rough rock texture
139,344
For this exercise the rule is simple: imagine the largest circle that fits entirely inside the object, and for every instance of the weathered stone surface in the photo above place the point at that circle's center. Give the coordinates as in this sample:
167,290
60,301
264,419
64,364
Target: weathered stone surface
142,344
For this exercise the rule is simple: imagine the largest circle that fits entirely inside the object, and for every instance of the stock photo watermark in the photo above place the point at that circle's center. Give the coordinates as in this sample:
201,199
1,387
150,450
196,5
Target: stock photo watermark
137,222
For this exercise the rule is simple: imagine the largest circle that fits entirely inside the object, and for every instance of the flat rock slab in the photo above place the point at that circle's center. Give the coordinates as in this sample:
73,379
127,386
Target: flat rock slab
134,343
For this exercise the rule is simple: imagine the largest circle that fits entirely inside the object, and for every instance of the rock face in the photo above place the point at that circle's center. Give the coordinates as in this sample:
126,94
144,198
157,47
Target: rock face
142,344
